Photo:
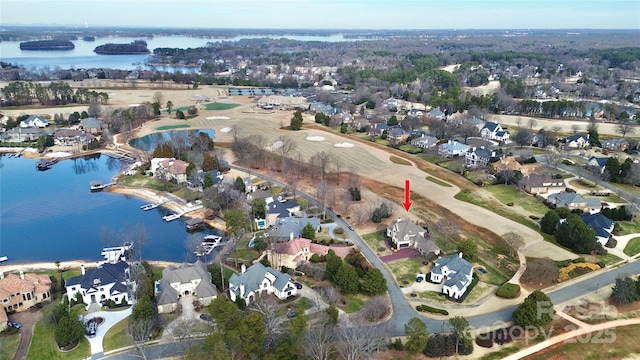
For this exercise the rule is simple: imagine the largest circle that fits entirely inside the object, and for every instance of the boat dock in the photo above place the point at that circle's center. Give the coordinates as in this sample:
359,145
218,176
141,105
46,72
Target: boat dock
174,216
209,243
43,165
117,253
152,206
98,185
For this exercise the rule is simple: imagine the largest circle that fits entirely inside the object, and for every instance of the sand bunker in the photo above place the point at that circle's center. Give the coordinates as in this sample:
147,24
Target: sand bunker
134,105
225,130
315,138
343,145
217,118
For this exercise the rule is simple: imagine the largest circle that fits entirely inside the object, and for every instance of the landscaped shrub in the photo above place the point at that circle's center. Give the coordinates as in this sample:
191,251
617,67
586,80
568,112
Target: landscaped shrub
315,258
396,345
339,231
427,308
567,271
563,263
508,291
533,217
579,260
484,340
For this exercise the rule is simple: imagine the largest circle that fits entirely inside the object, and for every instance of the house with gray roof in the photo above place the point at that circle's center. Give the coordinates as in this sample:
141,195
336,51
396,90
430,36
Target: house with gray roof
425,141
106,282
619,144
290,227
478,156
18,134
602,225
493,131
452,148
455,272
405,233
536,184
34,121
184,280
575,201
280,208
598,162
259,279
92,125
437,114
576,141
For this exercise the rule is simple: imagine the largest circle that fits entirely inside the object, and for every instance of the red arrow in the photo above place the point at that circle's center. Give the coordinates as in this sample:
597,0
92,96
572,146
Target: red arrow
407,196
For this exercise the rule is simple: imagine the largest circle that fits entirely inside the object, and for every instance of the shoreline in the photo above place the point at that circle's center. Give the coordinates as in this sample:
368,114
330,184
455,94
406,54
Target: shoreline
66,265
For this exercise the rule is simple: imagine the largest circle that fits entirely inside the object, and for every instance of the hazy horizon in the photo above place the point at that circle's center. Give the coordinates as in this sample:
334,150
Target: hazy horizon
326,14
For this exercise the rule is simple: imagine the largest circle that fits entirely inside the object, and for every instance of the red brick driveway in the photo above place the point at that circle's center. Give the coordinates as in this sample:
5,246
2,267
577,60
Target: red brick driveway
406,253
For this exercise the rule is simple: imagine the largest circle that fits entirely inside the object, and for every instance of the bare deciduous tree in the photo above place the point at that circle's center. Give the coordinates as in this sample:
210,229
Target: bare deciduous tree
360,342
360,213
514,240
448,228
140,331
158,98
319,343
267,306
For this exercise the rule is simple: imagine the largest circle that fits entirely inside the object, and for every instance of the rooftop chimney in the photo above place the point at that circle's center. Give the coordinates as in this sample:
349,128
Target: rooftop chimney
22,275
82,269
243,269
291,236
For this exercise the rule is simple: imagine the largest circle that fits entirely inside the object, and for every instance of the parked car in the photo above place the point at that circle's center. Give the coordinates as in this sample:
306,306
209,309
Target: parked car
298,285
92,327
14,324
421,277
350,227
205,317
291,314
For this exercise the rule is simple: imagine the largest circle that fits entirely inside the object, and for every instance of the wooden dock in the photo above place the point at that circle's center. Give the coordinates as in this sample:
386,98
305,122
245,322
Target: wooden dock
172,217
99,186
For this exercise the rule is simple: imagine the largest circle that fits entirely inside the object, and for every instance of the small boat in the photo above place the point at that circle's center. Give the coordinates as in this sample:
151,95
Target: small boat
3,258
171,217
193,224
212,239
44,165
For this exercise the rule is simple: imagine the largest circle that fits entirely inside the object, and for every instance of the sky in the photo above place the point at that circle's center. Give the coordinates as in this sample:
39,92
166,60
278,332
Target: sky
327,14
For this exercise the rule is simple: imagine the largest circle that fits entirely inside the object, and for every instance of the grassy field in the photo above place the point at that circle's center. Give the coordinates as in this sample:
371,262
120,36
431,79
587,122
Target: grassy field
410,149
171,127
43,344
633,247
146,182
618,343
399,161
438,181
219,106
478,291
405,270
9,345
434,297
629,227
376,242
509,194
117,336
354,303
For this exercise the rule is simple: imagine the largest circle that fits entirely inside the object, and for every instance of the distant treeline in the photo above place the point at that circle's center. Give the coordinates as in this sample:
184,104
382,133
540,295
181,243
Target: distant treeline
47,45
136,47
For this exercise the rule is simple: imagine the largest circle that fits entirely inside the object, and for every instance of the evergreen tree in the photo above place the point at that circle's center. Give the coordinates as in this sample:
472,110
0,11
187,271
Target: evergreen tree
416,332
296,121
469,250
576,235
374,282
207,163
536,310
309,232
624,291
549,222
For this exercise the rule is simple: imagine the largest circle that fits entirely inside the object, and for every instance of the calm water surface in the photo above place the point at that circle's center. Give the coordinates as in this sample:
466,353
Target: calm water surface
51,215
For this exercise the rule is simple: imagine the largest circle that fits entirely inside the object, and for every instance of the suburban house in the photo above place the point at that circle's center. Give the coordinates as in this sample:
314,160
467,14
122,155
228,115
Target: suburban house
377,129
170,169
543,184
280,208
290,227
20,293
478,157
574,201
186,279
436,114
425,141
396,135
299,250
34,121
196,182
452,148
405,233
510,163
415,112
615,144
18,134
576,141
71,137
92,125
602,225
456,272
106,282
494,131
598,162
258,279
478,123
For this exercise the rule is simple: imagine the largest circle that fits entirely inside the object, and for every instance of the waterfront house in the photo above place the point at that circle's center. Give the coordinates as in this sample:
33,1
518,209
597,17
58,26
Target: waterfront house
18,135
106,282
71,137
92,125
455,272
34,121
170,169
20,293
259,279
185,280
280,208
295,252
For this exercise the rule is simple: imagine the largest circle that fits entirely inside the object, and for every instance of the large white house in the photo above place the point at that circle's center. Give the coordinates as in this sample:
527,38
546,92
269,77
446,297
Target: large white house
34,121
106,282
456,272
186,279
259,279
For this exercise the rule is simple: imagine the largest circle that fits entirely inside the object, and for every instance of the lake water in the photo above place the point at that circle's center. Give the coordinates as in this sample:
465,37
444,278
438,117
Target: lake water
51,215
84,57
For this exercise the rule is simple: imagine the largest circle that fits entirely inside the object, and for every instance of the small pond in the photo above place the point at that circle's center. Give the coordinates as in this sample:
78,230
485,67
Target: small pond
177,137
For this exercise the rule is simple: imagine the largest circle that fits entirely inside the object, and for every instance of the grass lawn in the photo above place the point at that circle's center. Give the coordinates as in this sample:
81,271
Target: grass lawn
438,181
171,127
629,227
478,291
43,344
275,190
430,157
619,343
405,270
611,198
633,247
376,242
219,106
9,345
410,149
355,303
117,336
433,296
303,304
583,184
146,182
399,161
509,194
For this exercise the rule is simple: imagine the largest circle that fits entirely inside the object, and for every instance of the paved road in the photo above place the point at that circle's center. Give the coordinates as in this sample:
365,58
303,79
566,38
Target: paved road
28,319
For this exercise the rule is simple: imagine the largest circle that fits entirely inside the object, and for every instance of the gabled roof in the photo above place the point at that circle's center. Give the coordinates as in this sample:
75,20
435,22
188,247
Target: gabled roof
396,131
292,247
600,160
91,122
175,166
491,126
599,223
286,226
281,208
575,137
185,272
436,113
253,277
426,245
406,227
535,180
103,275
569,198
453,145
168,295
454,263
481,152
